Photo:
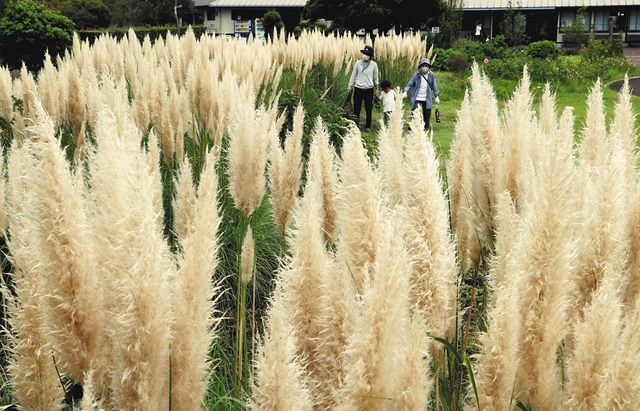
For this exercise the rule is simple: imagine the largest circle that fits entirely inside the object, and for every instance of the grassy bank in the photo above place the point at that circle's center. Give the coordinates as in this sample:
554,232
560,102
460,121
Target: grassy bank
452,88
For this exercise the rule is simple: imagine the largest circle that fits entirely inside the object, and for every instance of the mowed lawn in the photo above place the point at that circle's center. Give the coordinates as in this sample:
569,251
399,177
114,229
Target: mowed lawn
452,88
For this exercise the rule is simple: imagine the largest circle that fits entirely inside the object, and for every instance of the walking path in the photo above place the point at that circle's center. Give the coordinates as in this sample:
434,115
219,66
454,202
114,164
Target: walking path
633,55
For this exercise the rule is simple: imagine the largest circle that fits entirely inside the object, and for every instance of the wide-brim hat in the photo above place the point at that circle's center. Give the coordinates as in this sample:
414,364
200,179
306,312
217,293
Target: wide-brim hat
368,50
423,62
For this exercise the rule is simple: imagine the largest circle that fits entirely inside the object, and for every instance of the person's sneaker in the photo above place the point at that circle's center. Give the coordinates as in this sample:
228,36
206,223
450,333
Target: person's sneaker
367,129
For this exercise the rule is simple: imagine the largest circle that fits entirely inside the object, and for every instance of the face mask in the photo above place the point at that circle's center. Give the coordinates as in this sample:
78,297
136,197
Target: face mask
424,70
365,57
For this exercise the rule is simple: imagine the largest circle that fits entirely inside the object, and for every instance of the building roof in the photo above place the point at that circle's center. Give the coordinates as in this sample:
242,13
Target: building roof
542,4
251,3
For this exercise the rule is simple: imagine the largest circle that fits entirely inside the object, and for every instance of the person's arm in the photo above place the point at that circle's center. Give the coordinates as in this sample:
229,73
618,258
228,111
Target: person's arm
436,93
410,84
352,80
376,79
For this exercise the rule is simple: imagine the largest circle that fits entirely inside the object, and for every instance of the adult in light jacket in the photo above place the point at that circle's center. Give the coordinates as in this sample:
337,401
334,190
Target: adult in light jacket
364,83
424,90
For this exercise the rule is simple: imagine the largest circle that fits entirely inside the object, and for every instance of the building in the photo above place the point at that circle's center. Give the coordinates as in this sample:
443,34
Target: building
547,19
238,17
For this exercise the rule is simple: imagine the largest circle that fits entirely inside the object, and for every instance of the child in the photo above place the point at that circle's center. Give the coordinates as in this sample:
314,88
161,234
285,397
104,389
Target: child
388,97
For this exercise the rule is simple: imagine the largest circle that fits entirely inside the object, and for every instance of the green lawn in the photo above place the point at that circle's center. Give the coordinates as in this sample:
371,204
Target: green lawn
452,88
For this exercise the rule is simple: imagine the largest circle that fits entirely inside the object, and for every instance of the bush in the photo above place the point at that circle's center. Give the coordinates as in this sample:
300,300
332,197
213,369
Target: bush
495,49
458,64
87,14
154,32
272,20
599,49
309,25
544,49
444,59
28,30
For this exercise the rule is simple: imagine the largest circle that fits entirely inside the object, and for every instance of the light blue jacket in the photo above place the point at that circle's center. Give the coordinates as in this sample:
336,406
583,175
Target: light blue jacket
414,86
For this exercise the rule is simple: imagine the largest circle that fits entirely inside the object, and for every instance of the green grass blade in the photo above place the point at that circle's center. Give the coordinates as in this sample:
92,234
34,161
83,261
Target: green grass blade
472,379
450,348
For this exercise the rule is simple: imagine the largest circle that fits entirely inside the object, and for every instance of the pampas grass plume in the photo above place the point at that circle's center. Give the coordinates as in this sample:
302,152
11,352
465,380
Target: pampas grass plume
431,247
372,361
249,136
34,380
6,100
248,257
286,170
184,200
279,374
195,319
497,362
322,171
359,212
74,303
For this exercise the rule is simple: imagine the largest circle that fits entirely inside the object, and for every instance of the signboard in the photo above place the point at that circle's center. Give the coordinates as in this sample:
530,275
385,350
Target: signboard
435,30
260,34
242,28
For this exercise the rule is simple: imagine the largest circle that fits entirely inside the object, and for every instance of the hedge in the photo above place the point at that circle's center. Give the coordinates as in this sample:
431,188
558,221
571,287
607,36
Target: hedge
154,32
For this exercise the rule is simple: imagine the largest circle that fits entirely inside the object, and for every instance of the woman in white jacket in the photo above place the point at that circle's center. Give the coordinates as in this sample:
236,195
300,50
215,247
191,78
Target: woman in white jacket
364,83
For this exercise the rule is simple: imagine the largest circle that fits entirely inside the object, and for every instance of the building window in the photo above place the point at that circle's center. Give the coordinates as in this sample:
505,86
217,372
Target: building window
601,21
634,21
567,17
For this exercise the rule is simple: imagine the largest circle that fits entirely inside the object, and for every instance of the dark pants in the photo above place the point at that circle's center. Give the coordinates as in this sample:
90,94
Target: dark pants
426,112
358,96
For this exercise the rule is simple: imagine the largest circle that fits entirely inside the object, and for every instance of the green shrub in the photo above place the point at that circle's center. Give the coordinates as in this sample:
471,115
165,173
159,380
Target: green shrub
458,64
272,20
87,14
508,69
496,48
28,30
309,25
600,49
564,70
444,57
154,32
544,49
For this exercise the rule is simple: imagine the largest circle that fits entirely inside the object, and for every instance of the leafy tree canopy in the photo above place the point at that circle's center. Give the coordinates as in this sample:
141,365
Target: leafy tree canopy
28,29
375,14
87,14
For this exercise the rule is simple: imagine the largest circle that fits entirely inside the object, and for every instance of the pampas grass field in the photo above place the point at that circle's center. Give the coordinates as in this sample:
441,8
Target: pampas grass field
174,238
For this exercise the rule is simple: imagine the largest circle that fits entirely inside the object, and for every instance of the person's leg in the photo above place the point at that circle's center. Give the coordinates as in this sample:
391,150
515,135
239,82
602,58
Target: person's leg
426,112
357,102
387,116
368,106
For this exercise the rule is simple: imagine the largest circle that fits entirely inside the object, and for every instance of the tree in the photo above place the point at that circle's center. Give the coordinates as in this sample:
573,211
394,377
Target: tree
514,26
270,21
146,12
450,22
87,14
373,14
577,32
28,29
